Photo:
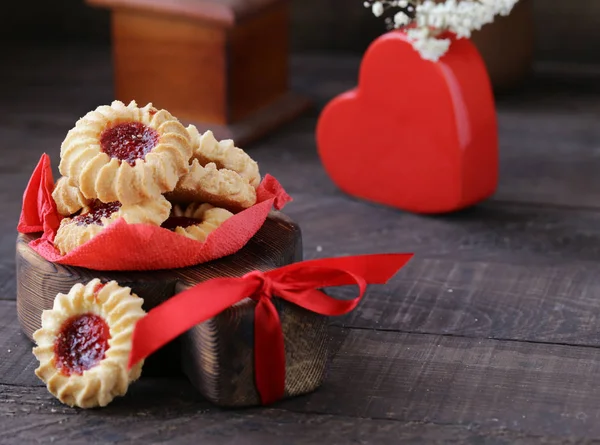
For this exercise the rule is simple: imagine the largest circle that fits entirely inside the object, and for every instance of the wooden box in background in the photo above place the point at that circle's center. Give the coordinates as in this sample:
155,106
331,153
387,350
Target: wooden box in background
507,46
222,65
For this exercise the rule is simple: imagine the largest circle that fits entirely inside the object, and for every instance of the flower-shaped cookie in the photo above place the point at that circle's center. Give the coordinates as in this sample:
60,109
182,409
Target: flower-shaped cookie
84,343
224,154
75,231
68,198
220,187
125,153
197,221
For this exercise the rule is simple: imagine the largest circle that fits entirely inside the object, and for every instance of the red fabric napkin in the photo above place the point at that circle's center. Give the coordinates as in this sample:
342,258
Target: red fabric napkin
123,246
39,210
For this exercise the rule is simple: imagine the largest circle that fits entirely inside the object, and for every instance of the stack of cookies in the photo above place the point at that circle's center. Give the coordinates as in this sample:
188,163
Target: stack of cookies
143,165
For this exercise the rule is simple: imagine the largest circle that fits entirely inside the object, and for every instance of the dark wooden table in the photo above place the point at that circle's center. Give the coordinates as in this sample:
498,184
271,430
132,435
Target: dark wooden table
490,335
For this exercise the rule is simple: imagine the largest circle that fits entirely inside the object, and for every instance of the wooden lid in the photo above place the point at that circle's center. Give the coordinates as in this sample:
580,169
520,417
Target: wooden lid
224,12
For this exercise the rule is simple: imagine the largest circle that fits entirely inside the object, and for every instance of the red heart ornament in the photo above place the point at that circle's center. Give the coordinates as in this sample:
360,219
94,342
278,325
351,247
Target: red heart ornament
417,135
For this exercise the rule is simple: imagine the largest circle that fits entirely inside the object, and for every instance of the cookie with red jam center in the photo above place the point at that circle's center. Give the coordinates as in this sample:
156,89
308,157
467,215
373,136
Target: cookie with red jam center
93,219
81,343
126,153
129,141
84,343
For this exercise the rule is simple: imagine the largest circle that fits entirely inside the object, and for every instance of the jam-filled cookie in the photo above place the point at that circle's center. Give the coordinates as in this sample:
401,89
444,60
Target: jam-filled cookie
224,154
197,221
84,343
126,153
220,187
68,198
75,231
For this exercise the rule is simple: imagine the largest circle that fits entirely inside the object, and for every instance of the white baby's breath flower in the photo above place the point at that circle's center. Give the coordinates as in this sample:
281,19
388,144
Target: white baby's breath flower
377,9
401,19
429,47
430,18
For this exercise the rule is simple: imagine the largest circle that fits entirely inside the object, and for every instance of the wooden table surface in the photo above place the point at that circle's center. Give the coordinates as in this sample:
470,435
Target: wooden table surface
490,335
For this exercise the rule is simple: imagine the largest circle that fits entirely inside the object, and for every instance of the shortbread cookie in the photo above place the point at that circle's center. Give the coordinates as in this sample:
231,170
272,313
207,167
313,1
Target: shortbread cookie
68,198
197,221
219,187
224,154
75,231
125,153
84,343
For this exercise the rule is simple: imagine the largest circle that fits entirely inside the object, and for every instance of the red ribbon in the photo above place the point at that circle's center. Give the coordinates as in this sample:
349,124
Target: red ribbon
297,283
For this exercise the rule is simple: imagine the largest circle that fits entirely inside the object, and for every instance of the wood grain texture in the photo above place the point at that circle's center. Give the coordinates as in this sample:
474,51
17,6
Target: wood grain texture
170,412
218,355
501,271
496,232
538,303
487,384
17,362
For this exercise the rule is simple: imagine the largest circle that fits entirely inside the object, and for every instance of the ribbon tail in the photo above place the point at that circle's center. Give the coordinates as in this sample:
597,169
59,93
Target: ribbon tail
269,352
341,271
183,311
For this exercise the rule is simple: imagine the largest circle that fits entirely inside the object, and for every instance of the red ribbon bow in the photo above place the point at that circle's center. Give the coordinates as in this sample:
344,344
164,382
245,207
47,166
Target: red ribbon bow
297,283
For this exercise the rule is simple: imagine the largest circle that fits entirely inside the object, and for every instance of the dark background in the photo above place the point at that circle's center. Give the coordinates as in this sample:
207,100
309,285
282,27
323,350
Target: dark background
565,30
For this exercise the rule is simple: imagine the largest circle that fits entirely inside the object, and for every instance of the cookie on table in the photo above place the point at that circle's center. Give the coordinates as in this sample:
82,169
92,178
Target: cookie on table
219,187
224,154
197,221
79,229
68,198
84,343
125,153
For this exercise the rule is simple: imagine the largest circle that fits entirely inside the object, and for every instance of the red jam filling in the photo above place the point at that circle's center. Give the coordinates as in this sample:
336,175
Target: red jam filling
98,211
81,343
179,221
129,141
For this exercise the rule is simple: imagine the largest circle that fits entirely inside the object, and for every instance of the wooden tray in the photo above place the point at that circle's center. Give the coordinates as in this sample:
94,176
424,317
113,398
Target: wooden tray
217,355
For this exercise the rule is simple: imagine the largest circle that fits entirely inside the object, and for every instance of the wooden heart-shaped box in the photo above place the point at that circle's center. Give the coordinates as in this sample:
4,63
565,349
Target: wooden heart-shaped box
217,355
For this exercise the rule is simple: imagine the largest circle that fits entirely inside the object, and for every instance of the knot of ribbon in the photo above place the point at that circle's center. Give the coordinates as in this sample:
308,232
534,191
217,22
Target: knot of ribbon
266,284
297,283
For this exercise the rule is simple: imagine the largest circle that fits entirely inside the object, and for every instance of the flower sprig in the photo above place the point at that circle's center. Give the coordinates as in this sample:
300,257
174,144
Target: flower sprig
425,20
